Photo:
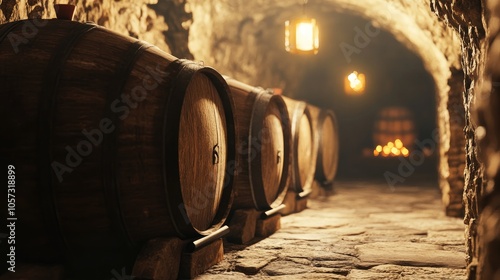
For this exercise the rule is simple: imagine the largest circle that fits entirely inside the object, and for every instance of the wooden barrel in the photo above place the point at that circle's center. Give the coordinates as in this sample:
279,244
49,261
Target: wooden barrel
326,144
263,147
303,156
394,123
114,142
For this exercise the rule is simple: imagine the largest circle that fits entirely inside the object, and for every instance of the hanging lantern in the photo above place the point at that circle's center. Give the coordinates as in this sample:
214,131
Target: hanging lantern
302,35
355,83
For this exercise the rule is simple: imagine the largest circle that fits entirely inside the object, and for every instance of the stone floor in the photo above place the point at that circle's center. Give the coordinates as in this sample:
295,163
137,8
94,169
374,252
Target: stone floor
364,231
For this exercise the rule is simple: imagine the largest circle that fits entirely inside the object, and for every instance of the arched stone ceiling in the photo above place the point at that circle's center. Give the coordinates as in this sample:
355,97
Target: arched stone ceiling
234,37
218,22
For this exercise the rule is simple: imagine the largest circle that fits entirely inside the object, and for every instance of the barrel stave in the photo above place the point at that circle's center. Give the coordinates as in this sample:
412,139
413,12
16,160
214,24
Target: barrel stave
243,104
303,148
263,129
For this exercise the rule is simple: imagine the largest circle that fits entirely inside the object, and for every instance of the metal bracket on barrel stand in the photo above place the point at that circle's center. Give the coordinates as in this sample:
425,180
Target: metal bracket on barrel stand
199,255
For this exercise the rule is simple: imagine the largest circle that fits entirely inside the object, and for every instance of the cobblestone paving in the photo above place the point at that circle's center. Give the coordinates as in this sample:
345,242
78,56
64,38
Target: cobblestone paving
364,231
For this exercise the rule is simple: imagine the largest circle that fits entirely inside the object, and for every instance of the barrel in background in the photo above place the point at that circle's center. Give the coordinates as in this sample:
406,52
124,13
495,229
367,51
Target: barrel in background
115,142
263,147
394,123
303,155
326,145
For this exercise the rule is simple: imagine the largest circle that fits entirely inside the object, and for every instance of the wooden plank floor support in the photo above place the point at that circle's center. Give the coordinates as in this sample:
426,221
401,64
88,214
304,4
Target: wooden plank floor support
242,226
300,204
294,203
196,262
199,255
267,226
159,259
316,190
320,190
246,224
174,258
289,201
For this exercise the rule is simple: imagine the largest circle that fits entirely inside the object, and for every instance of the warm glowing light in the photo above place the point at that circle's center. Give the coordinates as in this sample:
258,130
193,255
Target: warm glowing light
355,83
302,36
398,143
387,150
392,149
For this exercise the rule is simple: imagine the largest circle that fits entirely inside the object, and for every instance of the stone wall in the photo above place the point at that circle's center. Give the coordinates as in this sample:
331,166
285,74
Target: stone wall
128,17
453,186
478,23
179,19
488,133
